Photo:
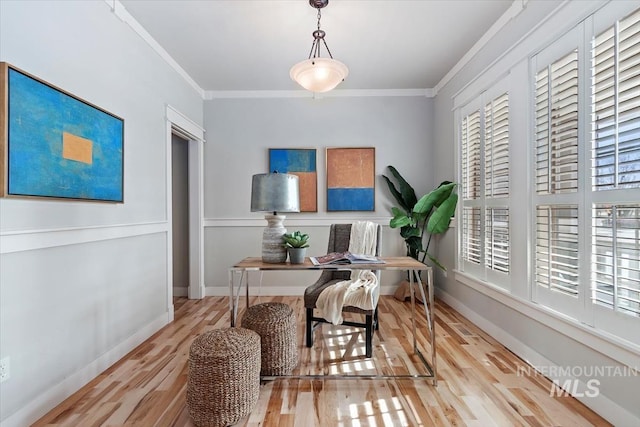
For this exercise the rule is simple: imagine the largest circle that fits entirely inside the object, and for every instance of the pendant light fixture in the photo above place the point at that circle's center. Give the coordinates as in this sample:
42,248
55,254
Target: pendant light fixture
318,74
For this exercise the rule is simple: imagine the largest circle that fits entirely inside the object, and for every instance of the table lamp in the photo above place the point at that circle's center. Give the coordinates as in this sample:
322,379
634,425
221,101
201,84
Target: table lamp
273,193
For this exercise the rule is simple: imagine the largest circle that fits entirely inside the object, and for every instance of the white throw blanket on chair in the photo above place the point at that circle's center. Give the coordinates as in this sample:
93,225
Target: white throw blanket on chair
359,290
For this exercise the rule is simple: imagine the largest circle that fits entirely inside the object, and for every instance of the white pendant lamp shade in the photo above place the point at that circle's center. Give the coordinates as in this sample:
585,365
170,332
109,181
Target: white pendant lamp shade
319,74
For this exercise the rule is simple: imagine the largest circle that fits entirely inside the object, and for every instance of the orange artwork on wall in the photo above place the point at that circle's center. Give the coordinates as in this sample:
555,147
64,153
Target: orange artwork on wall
351,179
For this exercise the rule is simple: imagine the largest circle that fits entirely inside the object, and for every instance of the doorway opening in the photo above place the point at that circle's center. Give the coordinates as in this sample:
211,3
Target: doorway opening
180,215
188,205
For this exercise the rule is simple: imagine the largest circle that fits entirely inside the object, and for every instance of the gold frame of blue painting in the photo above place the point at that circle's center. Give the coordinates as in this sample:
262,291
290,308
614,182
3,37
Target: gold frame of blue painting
56,145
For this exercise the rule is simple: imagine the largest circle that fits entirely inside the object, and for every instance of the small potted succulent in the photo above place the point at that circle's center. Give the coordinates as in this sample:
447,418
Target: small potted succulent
296,244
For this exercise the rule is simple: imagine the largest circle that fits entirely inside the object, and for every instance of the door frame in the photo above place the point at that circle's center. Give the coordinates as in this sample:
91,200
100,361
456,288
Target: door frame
179,124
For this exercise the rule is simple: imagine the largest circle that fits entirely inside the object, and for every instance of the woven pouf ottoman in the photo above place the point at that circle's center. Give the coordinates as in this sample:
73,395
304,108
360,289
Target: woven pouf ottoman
275,322
224,376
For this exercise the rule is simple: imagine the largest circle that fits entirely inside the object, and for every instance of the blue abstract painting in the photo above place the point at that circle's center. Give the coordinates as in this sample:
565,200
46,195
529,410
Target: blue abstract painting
300,162
60,146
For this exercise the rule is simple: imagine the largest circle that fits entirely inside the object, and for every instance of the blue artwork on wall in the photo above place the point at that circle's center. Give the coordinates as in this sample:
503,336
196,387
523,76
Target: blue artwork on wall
300,162
58,145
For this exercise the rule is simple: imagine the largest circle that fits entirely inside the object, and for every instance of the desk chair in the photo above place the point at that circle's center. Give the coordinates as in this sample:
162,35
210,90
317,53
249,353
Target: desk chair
339,236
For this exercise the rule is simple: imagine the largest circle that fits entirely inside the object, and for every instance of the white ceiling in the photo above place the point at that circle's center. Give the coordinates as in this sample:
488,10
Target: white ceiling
250,45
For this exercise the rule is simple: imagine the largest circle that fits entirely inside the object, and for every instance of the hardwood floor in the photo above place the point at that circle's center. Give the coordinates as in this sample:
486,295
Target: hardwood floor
479,381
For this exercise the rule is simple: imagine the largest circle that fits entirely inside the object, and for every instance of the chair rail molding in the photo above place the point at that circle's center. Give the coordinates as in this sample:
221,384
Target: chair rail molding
29,240
291,221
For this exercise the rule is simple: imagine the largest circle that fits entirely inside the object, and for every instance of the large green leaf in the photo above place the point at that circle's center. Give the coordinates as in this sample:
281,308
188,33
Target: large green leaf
434,198
398,222
400,219
408,193
406,232
441,217
396,195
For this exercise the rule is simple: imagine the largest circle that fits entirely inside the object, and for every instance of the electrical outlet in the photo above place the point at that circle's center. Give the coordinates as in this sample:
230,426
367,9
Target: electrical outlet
5,369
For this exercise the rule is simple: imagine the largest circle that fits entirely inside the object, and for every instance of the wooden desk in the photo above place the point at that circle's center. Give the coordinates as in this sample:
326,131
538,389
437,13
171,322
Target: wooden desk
404,263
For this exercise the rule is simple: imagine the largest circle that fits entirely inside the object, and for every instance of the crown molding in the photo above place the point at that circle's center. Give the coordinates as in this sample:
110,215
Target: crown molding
514,10
121,12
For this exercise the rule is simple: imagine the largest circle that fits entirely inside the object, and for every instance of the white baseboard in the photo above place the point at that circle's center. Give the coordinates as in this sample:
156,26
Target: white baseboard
602,405
48,400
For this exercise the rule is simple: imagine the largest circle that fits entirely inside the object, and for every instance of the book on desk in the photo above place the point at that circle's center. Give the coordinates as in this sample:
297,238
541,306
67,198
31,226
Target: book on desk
345,258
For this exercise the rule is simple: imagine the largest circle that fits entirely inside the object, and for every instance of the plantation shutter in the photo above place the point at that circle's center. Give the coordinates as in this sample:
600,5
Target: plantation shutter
471,156
556,126
616,107
557,248
615,254
496,147
497,239
496,183
471,137
557,165
471,232
616,257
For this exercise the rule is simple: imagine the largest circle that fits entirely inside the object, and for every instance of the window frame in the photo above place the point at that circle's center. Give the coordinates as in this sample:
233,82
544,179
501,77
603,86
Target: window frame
601,324
483,202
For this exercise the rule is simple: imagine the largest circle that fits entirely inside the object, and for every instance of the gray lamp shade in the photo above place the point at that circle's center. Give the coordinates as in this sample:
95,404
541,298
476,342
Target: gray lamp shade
275,192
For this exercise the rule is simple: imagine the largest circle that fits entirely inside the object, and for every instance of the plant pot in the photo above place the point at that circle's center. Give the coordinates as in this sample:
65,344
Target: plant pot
403,292
296,255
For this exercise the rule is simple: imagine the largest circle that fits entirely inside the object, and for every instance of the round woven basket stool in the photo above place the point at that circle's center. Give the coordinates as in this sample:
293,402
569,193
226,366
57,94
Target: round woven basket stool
275,322
224,376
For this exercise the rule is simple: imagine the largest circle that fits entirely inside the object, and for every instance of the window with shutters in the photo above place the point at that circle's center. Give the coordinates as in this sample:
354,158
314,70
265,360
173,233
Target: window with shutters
496,147
485,186
586,170
615,171
497,239
471,139
557,248
550,176
471,156
557,126
556,168
471,234
616,257
616,106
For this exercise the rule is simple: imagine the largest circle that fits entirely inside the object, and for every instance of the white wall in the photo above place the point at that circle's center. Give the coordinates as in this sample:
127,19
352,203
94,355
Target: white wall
239,134
532,334
82,283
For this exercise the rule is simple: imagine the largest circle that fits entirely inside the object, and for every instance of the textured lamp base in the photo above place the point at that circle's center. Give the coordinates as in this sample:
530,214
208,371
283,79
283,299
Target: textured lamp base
273,250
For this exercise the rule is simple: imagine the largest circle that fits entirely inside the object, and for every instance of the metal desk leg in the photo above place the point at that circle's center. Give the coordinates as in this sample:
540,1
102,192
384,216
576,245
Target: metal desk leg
232,308
413,311
235,296
247,293
433,325
428,311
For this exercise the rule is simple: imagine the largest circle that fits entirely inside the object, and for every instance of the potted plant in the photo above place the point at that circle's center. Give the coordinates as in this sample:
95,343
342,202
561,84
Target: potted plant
431,215
296,244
